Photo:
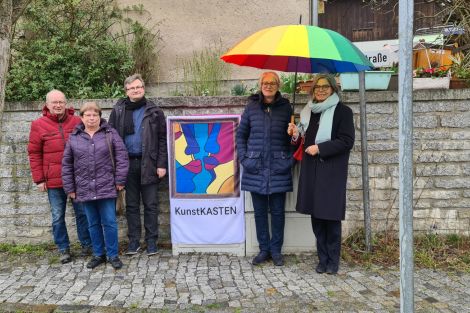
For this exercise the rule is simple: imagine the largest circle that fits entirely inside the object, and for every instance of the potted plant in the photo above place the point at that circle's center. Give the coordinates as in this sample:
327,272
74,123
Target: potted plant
460,72
434,77
304,83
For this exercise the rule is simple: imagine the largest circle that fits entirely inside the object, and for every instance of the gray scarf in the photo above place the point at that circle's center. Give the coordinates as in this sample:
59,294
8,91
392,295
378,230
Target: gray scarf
327,110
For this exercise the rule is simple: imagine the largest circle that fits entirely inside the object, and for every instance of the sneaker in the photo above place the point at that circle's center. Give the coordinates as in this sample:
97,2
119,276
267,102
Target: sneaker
278,260
65,256
95,261
133,248
115,263
263,256
85,251
151,248
320,269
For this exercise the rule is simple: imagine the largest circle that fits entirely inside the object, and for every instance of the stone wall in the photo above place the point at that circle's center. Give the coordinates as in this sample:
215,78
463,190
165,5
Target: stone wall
441,154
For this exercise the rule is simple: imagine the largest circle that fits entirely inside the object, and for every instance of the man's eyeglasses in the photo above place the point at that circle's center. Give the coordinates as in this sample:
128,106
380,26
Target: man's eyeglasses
135,88
57,102
321,87
269,84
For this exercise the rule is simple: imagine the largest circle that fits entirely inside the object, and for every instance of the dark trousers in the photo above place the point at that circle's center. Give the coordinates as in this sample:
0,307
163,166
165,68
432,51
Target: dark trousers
134,191
274,203
328,235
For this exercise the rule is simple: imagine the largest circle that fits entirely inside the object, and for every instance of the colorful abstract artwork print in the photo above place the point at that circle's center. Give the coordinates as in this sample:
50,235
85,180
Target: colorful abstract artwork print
204,155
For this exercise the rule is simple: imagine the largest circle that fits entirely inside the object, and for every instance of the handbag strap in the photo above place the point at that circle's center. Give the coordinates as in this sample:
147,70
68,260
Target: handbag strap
111,154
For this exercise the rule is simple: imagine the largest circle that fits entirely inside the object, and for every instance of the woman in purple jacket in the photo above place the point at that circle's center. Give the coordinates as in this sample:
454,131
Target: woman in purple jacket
94,168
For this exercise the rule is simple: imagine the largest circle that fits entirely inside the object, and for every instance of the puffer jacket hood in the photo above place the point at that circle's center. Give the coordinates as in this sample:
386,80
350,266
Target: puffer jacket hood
47,113
259,97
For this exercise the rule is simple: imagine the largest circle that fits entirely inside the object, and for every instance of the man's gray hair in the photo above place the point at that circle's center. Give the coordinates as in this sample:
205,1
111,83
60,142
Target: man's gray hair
131,78
48,95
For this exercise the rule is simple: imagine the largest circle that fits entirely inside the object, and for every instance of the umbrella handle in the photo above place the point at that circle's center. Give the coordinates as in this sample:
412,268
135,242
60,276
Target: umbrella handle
292,120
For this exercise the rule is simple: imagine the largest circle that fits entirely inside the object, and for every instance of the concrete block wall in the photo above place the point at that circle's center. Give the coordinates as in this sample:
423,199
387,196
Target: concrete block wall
441,154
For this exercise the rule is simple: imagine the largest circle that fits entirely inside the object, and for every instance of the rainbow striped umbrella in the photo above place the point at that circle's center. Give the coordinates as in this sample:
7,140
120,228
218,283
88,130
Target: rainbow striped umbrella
298,48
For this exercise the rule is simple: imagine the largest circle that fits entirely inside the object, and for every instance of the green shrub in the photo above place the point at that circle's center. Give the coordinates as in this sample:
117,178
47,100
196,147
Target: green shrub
288,81
240,90
204,72
84,48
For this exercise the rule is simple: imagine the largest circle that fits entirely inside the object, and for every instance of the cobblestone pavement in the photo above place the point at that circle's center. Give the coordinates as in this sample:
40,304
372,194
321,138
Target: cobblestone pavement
220,283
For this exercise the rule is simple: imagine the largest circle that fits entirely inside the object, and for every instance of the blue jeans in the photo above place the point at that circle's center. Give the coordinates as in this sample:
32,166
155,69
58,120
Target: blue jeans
58,201
101,215
275,203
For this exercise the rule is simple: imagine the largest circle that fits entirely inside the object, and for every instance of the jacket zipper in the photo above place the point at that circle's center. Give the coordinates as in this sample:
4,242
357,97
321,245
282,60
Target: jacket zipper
268,111
61,130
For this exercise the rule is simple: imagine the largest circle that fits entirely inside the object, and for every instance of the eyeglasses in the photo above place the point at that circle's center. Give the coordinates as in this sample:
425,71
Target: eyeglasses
270,84
321,87
91,115
135,88
57,102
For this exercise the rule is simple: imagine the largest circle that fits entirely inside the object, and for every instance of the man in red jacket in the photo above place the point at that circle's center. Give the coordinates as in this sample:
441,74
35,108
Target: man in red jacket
47,139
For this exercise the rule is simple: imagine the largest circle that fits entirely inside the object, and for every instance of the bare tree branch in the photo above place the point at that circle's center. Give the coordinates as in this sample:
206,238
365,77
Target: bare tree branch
18,8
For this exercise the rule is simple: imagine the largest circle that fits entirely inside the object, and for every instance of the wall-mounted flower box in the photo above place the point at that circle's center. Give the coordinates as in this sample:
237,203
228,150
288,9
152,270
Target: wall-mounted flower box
431,83
375,80
457,83
304,86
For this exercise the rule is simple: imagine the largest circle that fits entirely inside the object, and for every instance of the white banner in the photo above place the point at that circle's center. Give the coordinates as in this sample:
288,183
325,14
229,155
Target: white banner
206,206
217,221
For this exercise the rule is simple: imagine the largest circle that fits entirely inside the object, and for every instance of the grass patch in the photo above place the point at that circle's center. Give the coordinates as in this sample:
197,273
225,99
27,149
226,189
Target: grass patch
450,252
25,249
53,259
213,306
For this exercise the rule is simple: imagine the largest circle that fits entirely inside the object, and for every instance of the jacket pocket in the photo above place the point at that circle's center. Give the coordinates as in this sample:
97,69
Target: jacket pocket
252,161
281,162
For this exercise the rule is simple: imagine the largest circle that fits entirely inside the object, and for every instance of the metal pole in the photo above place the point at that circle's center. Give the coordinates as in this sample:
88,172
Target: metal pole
310,12
314,12
364,155
405,132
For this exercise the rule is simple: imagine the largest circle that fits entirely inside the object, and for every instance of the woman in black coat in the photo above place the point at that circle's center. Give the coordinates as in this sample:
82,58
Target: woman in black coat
264,151
326,129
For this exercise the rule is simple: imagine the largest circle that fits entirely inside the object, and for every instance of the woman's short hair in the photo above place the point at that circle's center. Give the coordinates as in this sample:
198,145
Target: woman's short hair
131,78
331,81
90,106
273,74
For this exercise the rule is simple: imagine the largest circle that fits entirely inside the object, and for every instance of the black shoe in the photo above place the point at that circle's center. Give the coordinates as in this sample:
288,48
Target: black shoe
85,251
262,257
278,260
115,263
320,269
133,248
331,270
151,248
65,256
95,261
